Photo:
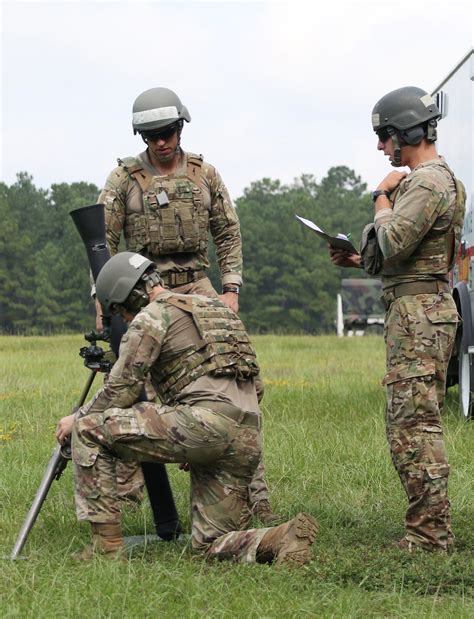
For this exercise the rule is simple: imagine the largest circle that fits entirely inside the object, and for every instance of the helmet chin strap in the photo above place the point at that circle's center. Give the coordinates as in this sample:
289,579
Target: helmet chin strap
151,280
397,149
431,134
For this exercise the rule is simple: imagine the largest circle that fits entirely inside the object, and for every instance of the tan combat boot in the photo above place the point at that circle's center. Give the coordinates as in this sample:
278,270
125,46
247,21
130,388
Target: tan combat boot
290,543
107,541
412,547
263,511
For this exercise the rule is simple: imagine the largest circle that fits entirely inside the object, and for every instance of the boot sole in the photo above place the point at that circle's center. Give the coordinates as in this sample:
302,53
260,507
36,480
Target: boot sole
90,552
296,551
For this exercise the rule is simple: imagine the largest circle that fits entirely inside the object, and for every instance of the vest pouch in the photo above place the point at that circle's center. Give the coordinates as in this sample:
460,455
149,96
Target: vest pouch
371,257
189,231
173,227
202,214
136,232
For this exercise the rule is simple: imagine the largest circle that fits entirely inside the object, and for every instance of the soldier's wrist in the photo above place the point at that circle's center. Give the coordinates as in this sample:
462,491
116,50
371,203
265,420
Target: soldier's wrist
380,192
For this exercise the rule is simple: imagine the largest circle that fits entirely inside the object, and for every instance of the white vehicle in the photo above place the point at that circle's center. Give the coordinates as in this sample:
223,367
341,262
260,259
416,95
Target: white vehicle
454,97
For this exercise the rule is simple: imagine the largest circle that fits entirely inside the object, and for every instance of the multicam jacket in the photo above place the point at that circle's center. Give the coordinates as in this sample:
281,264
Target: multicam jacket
184,343
168,218
420,235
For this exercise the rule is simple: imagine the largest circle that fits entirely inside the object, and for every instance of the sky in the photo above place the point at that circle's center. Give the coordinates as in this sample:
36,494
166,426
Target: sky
274,89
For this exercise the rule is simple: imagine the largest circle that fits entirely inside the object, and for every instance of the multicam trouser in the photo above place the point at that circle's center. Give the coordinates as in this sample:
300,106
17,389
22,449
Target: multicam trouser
223,449
419,335
129,475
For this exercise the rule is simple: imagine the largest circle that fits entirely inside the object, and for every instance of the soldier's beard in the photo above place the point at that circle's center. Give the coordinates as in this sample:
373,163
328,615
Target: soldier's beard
170,156
167,158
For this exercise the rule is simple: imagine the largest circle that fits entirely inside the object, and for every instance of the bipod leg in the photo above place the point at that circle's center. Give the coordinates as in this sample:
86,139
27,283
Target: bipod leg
56,465
165,514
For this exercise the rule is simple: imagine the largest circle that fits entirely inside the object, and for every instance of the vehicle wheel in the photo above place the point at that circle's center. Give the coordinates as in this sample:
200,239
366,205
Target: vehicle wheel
466,399
464,298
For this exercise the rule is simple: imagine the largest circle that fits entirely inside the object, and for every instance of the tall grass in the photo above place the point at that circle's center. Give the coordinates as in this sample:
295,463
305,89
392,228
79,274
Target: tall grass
325,453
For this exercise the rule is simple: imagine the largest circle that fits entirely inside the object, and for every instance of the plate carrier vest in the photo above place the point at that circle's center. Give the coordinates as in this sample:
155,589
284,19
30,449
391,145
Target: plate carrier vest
181,225
224,350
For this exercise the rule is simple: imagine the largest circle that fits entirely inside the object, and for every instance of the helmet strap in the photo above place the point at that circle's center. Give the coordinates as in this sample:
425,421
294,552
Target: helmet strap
431,133
397,153
151,280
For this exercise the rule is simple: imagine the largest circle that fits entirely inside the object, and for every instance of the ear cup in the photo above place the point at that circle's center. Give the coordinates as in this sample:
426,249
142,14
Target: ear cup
414,135
136,300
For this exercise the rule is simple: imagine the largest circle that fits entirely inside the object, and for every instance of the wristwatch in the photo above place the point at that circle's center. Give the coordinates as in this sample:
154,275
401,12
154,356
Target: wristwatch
380,192
235,289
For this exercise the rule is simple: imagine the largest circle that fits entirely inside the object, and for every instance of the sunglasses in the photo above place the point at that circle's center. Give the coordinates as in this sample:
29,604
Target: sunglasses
383,135
165,134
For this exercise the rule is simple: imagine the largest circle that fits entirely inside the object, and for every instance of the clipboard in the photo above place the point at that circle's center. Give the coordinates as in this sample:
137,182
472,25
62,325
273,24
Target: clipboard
341,241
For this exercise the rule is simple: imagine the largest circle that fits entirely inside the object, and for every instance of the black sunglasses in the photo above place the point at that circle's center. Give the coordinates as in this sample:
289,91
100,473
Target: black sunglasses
383,135
165,134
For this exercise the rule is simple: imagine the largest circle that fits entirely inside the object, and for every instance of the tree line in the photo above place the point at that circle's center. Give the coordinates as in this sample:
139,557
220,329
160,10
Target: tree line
290,285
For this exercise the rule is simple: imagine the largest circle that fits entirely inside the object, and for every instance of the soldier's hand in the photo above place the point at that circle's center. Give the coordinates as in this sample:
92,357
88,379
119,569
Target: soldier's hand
391,181
98,316
64,428
342,258
184,466
231,299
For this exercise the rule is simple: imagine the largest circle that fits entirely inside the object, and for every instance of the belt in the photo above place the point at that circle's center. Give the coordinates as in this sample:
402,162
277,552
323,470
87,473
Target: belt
245,418
411,288
172,279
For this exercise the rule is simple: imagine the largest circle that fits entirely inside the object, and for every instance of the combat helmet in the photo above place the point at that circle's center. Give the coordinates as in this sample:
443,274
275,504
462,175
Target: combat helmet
123,281
157,108
408,115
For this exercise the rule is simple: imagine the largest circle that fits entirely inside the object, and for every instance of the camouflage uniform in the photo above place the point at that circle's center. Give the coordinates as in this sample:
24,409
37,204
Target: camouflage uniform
203,366
176,239
418,239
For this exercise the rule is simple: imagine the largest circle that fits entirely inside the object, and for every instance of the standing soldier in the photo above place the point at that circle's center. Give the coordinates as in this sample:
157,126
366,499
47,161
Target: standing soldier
416,231
166,201
209,419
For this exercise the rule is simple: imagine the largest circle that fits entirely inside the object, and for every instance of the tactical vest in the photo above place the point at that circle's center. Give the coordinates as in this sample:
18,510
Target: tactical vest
174,218
224,350
436,253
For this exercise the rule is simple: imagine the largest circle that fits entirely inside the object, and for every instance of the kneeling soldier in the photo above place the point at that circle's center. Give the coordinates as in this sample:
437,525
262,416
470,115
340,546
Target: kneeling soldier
201,363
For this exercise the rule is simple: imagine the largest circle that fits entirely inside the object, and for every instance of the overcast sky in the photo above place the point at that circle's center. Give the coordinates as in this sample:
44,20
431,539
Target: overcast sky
275,89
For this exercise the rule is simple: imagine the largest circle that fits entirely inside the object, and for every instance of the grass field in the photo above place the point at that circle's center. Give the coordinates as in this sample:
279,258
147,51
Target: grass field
325,454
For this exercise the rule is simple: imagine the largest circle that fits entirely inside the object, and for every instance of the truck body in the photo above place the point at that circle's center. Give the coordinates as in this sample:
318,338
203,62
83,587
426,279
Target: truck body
454,96
360,308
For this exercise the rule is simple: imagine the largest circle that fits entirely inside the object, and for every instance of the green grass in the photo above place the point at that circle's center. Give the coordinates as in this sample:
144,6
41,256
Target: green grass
325,454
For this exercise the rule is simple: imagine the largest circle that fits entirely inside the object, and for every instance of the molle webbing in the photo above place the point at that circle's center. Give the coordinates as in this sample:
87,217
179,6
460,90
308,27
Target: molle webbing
224,349
455,231
436,252
180,225
137,172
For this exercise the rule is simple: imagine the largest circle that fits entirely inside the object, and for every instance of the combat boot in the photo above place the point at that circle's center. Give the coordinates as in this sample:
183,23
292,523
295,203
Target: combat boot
290,543
263,511
107,541
412,547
